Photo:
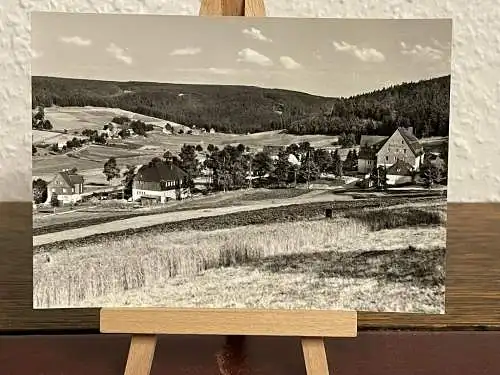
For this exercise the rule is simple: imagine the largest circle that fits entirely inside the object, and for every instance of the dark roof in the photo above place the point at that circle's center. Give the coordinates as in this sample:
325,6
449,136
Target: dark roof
160,171
372,140
412,141
400,168
370,145
71,179
367,153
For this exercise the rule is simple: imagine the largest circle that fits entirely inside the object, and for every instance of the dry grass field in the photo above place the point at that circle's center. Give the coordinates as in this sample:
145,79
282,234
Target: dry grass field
79,118
362,259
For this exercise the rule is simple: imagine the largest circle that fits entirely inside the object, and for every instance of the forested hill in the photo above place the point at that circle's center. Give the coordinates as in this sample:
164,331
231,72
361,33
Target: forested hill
241,109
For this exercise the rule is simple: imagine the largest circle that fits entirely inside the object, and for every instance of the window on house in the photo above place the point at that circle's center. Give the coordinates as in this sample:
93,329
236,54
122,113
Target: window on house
64,190
387,158
404,151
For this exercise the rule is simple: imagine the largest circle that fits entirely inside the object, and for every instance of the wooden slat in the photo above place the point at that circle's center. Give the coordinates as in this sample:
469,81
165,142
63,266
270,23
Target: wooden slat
229,322
140,355
248,8
472,284
315,356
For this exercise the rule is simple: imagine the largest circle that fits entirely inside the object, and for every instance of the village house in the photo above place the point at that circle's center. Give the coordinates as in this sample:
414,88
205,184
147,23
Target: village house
67,186
159,182
399,173
376,151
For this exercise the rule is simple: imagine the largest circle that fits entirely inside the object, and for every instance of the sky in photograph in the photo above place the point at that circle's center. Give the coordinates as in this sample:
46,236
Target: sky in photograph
320,56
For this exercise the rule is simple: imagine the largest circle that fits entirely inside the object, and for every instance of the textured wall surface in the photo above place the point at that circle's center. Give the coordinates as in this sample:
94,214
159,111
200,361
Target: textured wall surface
475,115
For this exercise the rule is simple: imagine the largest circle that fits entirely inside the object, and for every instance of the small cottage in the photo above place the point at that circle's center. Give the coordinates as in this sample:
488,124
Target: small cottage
160,182
67,186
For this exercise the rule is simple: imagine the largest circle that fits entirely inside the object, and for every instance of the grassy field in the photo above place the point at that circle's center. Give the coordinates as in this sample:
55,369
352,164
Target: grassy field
51,137
79,118
346,262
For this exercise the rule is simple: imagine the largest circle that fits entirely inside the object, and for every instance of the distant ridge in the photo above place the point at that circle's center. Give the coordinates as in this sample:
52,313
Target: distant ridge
242,109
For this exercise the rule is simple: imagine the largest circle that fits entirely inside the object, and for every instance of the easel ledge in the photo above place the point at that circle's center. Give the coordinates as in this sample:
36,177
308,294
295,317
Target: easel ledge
151,321
146,324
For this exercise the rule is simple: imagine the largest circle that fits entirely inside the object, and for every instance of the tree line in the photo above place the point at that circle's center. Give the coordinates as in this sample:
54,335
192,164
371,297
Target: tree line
424,105
236,167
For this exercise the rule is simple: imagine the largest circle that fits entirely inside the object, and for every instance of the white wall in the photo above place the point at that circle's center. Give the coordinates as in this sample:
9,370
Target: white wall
138,193
474,170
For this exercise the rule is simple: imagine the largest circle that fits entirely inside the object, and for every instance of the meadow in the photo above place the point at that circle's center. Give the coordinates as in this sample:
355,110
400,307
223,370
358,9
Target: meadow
362,258
80,118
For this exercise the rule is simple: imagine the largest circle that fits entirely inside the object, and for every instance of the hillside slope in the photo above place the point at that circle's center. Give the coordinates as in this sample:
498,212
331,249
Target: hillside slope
241,109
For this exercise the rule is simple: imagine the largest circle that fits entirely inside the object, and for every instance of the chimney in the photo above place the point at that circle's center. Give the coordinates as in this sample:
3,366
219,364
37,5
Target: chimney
410,129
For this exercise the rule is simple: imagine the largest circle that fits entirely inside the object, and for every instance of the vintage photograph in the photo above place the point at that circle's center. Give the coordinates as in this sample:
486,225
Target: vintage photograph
231,162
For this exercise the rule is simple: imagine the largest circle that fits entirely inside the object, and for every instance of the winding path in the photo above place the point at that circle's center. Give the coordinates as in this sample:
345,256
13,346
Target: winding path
150,220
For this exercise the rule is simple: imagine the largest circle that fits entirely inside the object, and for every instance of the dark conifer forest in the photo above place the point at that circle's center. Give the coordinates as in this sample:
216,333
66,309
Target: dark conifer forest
424,105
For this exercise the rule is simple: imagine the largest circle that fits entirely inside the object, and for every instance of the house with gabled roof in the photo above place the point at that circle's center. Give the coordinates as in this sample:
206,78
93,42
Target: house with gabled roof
159,181
399,173
67,186
385,151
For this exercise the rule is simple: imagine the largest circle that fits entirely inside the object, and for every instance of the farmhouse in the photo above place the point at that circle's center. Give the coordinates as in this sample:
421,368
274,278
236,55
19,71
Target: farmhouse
399,173
386,151
67,186
159,182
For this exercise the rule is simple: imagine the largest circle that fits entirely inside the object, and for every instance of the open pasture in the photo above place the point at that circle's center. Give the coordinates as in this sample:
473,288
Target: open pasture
174,142
51,137
79,118
101,154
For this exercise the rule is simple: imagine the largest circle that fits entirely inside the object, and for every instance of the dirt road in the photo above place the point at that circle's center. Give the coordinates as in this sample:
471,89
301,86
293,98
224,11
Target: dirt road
146,221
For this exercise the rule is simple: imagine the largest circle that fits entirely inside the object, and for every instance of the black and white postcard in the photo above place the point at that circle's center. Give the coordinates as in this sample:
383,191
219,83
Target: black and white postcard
231,162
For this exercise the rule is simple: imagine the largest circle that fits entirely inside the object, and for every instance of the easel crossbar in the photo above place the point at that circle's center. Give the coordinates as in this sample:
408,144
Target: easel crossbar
314,323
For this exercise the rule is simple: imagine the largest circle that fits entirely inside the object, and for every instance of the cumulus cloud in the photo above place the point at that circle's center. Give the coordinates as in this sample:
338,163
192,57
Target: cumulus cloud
364,54
427,53
289,63
119,54
254,33
76,40
188,51
250,56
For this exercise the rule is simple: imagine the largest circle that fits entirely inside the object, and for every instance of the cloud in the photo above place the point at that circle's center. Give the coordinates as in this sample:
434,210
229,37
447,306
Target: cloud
218,71
426,53
364,54
119,54
256,34
76,40
289,63
250,56
188,51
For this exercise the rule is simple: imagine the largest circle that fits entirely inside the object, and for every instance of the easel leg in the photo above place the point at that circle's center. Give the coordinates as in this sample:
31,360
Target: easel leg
140,355
315,356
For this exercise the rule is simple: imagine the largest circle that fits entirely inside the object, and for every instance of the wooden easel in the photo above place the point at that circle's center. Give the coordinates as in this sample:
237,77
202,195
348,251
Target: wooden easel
146,324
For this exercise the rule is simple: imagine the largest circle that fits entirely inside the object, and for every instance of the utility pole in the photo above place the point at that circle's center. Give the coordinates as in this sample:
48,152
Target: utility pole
308,168
250,172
